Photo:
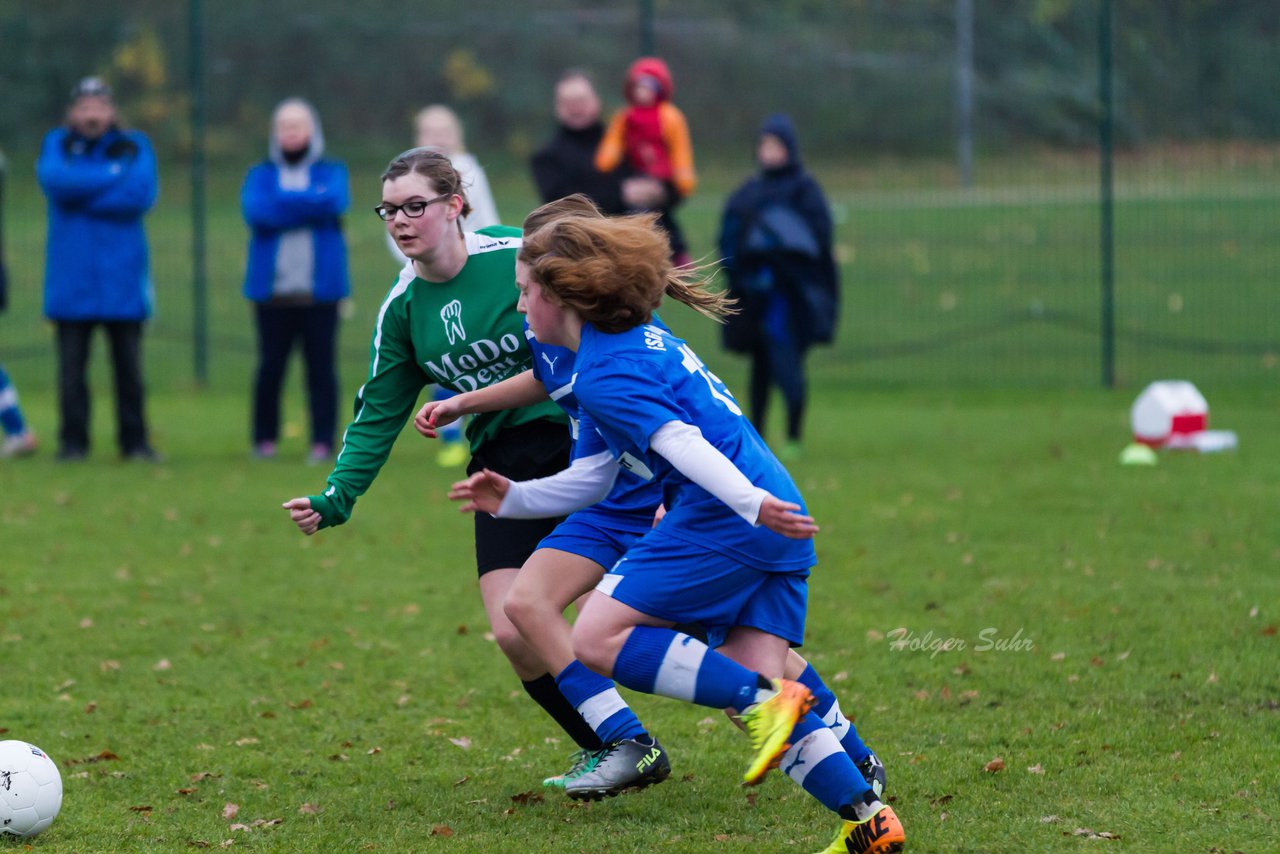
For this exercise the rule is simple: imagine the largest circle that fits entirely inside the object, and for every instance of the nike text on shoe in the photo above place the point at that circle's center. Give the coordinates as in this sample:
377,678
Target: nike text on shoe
769,726
623,766
880,833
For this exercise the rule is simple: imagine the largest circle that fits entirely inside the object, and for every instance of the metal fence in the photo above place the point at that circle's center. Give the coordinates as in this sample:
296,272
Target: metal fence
961,155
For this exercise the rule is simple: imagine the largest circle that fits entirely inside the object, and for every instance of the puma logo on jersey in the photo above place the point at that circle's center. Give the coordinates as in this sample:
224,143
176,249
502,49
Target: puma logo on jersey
451,314
551,363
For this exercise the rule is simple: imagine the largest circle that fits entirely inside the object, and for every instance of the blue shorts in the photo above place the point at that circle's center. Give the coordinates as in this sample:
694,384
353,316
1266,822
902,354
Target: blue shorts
673,579
597,535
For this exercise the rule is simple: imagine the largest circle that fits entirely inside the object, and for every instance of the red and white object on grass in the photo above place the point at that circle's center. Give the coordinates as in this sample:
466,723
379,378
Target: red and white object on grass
1169,414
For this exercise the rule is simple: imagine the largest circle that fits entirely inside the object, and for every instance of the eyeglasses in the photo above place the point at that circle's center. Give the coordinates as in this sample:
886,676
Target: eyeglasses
412,210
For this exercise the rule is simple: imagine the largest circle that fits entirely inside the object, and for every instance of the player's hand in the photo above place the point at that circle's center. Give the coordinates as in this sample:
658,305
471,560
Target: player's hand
658,514
437,413
307,520
482,492
781,518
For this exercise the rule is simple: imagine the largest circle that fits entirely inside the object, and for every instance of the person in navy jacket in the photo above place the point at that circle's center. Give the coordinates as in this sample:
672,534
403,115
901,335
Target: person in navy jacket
297,271
99,180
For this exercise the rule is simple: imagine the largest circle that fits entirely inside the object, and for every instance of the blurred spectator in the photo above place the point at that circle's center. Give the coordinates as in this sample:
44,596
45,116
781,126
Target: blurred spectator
297,272
776,246
99,180
651,136
566,164
438,127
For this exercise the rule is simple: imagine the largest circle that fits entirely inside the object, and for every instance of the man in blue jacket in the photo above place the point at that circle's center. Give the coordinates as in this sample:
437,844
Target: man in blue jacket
99,180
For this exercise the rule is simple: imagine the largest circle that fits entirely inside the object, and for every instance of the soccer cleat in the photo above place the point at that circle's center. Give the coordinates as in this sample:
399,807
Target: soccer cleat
21,445
769,724
579,760
881,833
873,772
623,766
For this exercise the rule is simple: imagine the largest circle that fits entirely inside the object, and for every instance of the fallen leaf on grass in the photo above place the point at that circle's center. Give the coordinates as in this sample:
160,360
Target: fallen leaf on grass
230,811
104,756
994,765
189,790
308,809
525,798
162,664
1091,834
203,775
442,830
339,757
1035,769
141,808
461,781
241,742
463,742
1049,819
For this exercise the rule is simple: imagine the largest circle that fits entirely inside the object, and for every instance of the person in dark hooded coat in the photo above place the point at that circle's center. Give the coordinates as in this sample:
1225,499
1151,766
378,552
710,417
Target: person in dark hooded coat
776,248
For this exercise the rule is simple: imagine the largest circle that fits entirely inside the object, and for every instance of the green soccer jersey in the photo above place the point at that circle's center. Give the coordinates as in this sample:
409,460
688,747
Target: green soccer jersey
463,334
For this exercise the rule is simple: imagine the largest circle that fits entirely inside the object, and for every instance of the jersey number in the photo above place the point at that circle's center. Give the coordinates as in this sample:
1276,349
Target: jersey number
694,365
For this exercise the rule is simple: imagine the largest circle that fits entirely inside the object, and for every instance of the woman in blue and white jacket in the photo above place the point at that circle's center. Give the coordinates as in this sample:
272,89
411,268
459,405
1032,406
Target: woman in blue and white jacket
297,271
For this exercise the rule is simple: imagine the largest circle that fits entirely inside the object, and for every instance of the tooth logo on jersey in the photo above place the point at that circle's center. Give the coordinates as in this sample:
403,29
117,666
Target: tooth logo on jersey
451,314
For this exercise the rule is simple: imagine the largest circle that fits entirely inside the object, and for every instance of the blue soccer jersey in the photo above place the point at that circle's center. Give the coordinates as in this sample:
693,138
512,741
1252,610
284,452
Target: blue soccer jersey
631,383
631,495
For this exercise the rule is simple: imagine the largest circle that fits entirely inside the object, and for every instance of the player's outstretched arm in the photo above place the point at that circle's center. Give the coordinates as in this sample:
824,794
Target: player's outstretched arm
307,520
512,393
483,492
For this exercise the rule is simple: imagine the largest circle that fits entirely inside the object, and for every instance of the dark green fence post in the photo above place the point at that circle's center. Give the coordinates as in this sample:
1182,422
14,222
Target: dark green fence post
1106,129
646,27
199,283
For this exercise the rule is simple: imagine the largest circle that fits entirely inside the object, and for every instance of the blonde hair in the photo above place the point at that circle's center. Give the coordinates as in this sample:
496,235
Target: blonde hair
447,121
614,271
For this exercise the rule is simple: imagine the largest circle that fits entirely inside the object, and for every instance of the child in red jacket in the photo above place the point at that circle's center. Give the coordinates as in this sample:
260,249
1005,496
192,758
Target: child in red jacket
651,134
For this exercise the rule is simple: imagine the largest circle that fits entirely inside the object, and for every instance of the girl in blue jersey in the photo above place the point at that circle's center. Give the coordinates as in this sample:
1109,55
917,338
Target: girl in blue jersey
734,549
572,560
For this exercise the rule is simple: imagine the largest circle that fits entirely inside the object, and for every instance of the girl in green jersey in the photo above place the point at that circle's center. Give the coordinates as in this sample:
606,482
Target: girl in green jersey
451,319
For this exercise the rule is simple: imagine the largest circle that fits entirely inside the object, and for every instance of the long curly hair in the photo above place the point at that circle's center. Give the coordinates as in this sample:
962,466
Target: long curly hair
614,271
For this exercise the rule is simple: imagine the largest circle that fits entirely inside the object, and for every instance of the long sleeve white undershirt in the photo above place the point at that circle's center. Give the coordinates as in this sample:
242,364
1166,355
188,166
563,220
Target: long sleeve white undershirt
684,446
589,479
586,481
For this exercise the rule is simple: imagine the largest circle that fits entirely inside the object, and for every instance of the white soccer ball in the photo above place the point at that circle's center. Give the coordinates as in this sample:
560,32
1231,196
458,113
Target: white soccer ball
30,789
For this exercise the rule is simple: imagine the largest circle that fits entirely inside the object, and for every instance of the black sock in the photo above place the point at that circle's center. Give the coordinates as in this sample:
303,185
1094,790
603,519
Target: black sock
546,693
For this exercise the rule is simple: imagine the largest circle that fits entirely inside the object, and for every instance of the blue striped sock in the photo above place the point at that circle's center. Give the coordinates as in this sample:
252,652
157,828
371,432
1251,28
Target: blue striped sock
599,703
672,664
827,707
817,761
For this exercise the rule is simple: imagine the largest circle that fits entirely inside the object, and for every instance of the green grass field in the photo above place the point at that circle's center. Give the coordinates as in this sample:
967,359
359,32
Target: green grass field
992,585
